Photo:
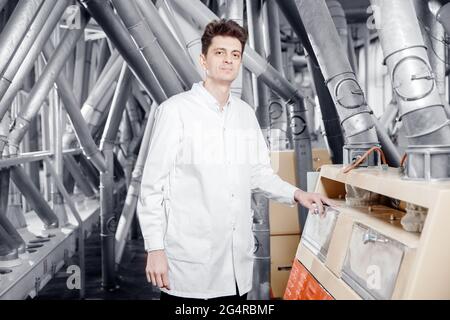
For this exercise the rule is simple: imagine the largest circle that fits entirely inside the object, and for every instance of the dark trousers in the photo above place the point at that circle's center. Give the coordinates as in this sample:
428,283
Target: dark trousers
226,299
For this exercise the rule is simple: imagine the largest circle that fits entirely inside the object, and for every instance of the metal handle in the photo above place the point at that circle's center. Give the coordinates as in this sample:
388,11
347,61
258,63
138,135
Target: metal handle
373,237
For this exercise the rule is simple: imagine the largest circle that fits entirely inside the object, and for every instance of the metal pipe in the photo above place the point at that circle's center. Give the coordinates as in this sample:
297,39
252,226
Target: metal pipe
260,204
434,38
107,216
330,117
7,251
25,45
187,33
89,171
42,87
93,109
102,58
17,240
102,12
255,10
181,62
354,114
80,54
34,197
72,107
148,45
85,90
247,87
15,29
420,106
124,140
81,235
129,209
13,77
277,111
133,115
57,119
80,179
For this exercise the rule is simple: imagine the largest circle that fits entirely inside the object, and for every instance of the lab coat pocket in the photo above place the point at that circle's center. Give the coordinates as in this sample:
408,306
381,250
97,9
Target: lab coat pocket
186,238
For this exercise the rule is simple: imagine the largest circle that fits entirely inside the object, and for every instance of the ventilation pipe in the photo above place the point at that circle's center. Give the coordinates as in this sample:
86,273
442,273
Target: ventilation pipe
108,220
43,85
103,13
148,46
14,78
73,110
131,200
330,116
181,62
15,29
42,16
420,106
341,81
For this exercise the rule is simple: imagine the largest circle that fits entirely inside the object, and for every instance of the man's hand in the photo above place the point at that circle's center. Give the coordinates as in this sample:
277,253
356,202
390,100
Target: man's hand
313,201
157,269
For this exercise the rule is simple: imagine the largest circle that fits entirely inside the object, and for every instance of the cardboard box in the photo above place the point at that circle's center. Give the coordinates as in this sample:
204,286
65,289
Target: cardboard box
284,219
282,256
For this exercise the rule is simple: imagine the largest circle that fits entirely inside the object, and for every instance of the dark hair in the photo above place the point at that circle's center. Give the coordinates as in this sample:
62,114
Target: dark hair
223,27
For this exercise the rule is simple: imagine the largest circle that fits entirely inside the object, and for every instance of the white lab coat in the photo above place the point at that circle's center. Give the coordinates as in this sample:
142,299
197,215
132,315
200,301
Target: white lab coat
195,198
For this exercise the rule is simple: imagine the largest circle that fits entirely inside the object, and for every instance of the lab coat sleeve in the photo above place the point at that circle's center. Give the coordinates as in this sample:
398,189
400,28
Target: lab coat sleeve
164,143
263,178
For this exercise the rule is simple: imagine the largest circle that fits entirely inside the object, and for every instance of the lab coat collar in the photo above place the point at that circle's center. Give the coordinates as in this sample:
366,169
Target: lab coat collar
212,102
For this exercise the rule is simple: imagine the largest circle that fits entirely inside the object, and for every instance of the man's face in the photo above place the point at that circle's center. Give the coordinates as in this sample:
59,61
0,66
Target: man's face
223,59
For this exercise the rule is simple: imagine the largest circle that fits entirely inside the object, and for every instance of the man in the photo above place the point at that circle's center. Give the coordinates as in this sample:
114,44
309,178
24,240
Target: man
207,154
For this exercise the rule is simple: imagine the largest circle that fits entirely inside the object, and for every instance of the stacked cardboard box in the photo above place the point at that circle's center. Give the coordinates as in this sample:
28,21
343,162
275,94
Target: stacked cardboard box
284,226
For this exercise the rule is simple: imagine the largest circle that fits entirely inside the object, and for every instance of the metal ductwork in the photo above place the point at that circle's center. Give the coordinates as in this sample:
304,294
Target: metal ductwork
147,43
330,116
103,13
348,97
420,106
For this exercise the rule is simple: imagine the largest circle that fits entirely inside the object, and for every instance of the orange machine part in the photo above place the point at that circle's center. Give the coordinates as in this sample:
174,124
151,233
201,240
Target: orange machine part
303,286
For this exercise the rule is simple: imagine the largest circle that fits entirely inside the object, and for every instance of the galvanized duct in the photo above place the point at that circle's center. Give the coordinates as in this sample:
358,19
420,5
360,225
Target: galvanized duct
17,240
43,85
103,13
332,125
260,204
107,215
7,251
433,34
148,46
280,132
255,16
129,209
71,105
274,80
80,179
355,115
15,29
420,106
13,78
26,44
34,197
187,32
181,62
338,15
